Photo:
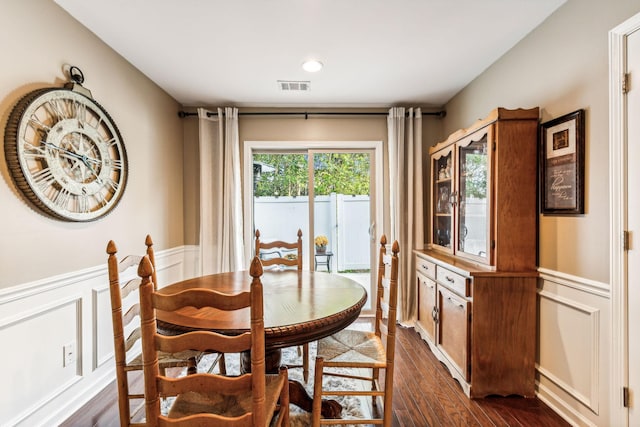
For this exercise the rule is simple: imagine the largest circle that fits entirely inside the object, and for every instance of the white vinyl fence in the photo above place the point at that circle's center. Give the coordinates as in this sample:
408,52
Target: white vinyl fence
342,218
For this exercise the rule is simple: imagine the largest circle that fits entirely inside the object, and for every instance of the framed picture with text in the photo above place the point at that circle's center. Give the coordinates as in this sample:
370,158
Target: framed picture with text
562,165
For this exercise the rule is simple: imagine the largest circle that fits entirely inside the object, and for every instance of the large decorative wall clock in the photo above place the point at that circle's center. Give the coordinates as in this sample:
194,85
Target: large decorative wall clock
65,153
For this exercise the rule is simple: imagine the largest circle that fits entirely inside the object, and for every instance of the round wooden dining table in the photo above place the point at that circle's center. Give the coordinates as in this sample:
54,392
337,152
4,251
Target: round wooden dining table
299,307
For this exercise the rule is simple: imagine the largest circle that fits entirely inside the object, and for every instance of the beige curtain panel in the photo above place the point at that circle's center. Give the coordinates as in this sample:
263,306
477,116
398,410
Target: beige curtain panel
221,243
405,200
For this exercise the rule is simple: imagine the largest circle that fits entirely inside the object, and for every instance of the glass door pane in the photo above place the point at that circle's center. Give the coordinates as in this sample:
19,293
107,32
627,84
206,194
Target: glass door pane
473,223
342,214
281,197
442,208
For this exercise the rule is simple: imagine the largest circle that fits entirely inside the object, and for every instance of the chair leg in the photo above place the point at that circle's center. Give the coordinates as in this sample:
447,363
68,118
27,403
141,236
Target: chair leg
222,364
305,362
317,393
284,401
375,378
192,368
388,395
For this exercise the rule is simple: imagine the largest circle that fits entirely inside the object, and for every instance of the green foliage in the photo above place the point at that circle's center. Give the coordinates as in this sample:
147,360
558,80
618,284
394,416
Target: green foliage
289,177
476,175
342,173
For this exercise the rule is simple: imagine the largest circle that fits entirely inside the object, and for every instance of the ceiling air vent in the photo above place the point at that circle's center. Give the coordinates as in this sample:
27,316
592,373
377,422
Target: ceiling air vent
294,86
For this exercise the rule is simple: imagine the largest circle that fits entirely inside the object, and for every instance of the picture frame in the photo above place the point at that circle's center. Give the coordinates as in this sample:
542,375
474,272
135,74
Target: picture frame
561,183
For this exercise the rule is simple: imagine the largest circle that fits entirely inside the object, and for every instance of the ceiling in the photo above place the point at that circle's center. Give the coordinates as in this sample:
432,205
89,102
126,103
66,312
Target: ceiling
376,53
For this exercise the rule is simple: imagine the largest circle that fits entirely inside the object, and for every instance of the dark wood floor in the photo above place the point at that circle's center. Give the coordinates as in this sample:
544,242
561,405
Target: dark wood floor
424,395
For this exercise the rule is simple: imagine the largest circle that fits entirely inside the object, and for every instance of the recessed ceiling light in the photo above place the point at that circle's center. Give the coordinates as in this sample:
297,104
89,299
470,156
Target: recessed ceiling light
312,66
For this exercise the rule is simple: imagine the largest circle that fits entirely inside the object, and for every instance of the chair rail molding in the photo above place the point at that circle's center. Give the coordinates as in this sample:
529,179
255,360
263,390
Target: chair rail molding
579,283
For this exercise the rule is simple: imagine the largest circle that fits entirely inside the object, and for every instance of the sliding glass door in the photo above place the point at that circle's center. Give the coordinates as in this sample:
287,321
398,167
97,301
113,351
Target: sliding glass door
327,192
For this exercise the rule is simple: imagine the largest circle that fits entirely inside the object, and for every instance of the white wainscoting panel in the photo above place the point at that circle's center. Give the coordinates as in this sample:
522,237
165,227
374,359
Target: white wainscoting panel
102,328
573,347
36,357
40,318
569,358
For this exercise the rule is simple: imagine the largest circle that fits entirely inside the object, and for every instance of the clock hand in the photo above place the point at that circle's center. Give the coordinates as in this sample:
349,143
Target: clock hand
75,155
79,140
91,160
84,159
64,150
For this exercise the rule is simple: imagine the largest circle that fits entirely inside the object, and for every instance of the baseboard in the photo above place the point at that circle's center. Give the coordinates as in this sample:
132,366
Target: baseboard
561,408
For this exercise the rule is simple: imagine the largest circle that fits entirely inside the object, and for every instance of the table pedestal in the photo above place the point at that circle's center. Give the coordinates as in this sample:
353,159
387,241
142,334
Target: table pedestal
297,393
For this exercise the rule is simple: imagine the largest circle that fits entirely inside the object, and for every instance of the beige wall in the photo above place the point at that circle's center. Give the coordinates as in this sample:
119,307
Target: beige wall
36,39
561,66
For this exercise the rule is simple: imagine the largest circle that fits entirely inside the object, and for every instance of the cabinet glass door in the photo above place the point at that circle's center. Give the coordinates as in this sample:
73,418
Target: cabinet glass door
473,223
442,209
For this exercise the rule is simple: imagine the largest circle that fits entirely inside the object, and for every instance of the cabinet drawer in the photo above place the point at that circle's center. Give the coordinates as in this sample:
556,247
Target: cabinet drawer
426,267
456,282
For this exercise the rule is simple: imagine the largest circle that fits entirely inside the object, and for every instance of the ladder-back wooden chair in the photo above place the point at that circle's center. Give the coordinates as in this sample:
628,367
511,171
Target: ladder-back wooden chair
209,399
265,251
279,253
374,351
125,311
219,358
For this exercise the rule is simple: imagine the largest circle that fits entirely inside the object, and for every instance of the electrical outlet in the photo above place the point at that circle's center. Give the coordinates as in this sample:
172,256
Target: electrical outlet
69,354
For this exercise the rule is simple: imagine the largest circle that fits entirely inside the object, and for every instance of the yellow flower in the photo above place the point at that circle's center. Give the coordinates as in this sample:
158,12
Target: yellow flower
321,240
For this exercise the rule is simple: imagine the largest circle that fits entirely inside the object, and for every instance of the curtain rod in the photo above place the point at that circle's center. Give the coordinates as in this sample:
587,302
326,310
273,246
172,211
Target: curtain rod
306,114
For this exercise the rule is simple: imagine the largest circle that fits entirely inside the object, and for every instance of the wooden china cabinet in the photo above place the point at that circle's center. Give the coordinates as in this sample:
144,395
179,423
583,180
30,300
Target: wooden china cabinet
477,278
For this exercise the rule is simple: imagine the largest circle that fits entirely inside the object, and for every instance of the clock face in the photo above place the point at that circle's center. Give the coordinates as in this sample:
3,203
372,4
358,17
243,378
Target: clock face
66,154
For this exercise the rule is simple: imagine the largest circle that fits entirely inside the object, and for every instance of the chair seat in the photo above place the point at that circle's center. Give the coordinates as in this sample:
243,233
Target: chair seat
225,404
352,347
167,360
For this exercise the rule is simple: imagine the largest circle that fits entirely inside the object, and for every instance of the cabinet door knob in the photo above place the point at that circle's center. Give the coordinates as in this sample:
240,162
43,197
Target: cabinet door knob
454,198
454,302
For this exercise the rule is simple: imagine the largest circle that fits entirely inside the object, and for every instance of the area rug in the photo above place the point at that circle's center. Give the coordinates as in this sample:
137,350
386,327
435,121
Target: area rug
352,406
